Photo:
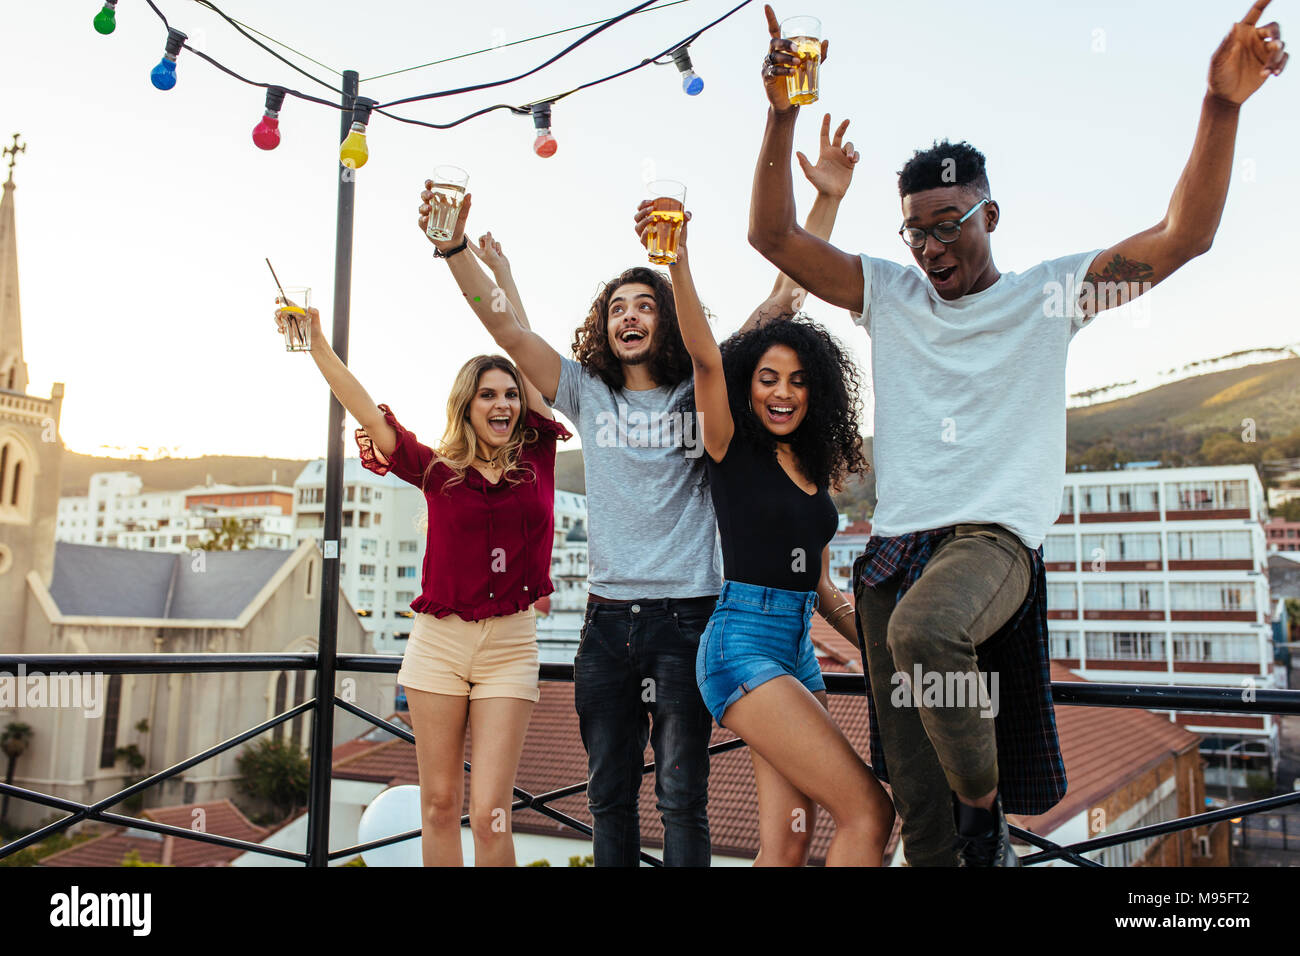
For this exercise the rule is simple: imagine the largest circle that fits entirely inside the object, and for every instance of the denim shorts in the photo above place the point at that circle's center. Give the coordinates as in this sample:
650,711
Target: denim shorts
755,634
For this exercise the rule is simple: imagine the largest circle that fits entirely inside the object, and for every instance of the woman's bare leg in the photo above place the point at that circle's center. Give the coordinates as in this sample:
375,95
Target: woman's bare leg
439,722
497,728
791,730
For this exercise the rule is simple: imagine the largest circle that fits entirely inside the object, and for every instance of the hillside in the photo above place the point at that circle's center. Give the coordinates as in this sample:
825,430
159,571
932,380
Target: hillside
1197,420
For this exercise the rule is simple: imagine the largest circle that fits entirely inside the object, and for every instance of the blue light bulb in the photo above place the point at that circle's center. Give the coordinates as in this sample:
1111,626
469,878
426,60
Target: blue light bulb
163,75
691,83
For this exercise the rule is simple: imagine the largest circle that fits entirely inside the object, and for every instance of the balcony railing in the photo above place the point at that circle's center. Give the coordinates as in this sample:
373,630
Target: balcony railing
317,852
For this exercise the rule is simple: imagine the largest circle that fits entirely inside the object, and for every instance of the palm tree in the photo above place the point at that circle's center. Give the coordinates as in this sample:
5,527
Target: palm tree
13,742
231,536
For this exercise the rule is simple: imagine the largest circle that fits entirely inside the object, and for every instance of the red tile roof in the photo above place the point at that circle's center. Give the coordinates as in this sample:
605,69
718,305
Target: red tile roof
1104,748
220,817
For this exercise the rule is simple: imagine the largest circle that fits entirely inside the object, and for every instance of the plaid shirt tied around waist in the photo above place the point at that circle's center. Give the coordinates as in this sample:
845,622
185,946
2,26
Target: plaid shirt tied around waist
1031,771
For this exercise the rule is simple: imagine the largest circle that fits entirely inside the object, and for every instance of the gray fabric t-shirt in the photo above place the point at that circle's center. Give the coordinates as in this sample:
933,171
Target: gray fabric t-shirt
651,534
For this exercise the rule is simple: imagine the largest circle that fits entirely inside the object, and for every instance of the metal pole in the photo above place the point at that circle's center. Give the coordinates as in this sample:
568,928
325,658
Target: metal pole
322,727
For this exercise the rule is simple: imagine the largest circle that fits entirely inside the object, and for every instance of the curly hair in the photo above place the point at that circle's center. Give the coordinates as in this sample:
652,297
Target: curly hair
828,442
944,164
669,362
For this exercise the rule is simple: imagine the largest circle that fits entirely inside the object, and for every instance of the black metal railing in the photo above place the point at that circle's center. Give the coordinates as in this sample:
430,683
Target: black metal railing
1151,697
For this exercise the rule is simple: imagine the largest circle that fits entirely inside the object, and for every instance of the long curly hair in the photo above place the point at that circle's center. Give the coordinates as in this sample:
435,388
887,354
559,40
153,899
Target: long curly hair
828,442
669,362
459,442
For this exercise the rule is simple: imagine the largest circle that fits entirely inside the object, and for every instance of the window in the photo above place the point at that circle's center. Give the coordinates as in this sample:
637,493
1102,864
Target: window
407,547
1210,546
365,494
1236,648
1062,596
367,570
1130,546
1063,644
1125,645
108,743
1067,500
1210,495
1124,596
351,492
406,572
1059,547
1212,596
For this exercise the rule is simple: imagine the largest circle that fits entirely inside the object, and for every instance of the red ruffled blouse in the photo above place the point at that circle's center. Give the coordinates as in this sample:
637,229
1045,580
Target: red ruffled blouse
488,550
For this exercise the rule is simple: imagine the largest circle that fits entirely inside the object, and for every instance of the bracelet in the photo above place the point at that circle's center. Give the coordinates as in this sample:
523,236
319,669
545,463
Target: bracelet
439,254
838,612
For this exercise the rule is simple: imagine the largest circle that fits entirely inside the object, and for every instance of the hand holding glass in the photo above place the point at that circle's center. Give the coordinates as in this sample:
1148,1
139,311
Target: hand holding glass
667,214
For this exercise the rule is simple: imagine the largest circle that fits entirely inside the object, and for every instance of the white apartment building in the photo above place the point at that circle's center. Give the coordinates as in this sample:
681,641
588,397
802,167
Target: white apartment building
1161,576
381,554
115,513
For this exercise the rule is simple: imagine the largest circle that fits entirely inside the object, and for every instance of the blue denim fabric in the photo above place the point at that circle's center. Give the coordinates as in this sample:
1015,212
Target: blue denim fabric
636,663
755,634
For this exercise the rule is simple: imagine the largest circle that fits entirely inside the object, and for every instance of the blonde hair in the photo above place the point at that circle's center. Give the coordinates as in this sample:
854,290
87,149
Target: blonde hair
459,445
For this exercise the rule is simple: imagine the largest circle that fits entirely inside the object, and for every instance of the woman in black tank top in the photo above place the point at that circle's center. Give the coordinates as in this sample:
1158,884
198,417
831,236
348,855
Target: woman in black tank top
777,410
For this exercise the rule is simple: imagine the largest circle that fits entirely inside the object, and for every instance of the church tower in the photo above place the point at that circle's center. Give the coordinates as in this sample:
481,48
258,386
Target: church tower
31,452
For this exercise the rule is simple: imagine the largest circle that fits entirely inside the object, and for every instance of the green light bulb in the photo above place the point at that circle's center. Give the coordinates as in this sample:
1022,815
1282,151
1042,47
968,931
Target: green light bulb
105,20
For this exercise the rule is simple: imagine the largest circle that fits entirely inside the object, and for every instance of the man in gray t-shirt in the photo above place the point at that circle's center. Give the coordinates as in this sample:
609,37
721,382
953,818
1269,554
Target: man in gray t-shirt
655,564
652,533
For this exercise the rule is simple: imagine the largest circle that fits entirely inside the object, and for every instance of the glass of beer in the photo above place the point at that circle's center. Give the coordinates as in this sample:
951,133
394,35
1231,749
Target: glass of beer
806,32
666,218
293,306
449,184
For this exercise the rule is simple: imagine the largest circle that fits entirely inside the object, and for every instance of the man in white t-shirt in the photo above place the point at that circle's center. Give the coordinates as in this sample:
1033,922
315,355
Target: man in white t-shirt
968,367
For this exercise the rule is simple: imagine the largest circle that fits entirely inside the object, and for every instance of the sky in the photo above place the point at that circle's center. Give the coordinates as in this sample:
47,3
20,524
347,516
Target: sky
144,216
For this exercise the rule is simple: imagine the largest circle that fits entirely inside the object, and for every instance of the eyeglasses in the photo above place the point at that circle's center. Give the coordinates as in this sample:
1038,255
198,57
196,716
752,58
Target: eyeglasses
946,231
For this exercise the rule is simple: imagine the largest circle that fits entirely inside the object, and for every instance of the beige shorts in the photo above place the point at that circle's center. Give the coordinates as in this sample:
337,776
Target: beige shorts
496,657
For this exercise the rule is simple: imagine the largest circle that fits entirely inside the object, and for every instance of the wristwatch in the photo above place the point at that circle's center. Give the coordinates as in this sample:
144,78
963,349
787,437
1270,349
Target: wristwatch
439,254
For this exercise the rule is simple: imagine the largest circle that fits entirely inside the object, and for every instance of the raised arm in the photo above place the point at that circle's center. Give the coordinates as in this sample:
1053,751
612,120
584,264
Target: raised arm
1248,55
350,393
535,358
813,263
711,407
831,175
488,251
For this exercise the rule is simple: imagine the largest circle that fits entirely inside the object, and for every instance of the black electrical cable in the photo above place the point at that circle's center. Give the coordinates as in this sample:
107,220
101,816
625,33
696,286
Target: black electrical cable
518,110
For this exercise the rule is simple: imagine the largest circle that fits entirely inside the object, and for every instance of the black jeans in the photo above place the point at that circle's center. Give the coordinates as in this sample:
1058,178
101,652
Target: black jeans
636,663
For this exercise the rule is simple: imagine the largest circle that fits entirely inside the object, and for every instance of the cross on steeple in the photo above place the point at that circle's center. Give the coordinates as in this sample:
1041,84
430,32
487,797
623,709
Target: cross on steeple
12,152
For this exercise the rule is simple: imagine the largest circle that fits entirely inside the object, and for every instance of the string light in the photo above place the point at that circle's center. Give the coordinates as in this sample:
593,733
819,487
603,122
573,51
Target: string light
106,20
163,75
691,83
544,145
354,152
266,134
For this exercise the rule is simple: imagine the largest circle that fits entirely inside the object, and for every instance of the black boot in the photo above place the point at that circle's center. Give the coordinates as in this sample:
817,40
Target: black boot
982,837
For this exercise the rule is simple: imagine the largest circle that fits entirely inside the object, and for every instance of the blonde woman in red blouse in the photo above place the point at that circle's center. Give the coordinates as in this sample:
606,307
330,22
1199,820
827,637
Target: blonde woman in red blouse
471,659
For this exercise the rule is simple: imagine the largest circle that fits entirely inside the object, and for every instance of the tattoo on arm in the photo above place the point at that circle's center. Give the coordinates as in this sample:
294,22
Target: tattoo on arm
1120,281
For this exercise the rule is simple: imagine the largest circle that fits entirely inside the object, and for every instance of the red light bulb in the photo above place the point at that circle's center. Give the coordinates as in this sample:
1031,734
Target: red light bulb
266,134
545,144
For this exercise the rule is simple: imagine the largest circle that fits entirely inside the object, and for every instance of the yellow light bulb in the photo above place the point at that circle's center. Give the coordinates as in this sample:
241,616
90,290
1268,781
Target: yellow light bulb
354,152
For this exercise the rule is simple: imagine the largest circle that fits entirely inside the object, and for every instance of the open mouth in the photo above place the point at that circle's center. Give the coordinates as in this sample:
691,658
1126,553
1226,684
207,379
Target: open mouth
500,424
941,276
629,336
780,414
